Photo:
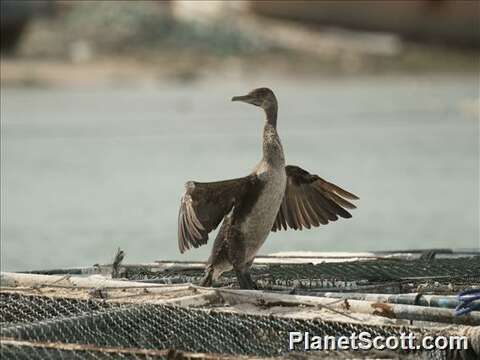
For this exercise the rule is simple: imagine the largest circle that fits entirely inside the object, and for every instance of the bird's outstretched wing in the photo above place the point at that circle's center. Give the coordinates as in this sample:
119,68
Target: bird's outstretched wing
310,201
204,205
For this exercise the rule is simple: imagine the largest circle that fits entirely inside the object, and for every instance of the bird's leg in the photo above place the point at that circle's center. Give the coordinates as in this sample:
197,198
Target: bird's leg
245,280
207,278
236,256
251,283
241,279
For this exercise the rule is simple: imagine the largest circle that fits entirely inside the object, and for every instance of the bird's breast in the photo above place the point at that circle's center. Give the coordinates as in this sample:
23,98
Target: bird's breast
258,223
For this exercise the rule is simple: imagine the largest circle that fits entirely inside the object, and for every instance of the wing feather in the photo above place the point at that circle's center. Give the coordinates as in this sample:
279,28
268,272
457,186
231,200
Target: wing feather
311,201
204,205
308,209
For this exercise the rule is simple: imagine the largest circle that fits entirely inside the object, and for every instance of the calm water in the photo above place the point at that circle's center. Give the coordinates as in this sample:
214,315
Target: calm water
85,172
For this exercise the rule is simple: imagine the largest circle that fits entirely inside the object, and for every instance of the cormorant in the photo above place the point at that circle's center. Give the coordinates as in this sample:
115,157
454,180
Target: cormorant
273,197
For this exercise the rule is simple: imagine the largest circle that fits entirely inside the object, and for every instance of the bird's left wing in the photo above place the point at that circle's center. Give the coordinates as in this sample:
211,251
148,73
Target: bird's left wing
204,205
310,201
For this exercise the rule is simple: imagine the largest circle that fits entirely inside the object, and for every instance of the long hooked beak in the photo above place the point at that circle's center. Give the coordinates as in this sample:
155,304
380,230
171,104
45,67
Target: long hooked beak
243,98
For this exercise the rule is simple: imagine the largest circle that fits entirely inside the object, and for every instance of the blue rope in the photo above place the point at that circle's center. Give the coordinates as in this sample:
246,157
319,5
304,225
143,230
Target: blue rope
467,300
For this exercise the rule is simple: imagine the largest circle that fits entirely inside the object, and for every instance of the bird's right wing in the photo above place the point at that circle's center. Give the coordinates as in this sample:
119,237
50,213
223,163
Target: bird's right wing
204,205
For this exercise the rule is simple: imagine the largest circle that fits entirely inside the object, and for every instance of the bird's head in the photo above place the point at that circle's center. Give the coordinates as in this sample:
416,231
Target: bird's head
263,97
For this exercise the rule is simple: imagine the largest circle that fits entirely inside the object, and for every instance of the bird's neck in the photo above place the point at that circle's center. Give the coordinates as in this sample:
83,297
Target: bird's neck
271,113
272,147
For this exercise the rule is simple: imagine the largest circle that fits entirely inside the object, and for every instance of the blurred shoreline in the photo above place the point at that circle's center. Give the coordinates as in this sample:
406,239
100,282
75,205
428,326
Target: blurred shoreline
114,71
97,44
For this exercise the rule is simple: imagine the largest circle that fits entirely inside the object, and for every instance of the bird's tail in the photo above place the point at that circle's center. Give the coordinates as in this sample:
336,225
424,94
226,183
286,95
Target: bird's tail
208,277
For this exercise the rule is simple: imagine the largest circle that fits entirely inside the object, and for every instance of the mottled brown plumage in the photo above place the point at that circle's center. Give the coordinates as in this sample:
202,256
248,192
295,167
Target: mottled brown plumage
273,197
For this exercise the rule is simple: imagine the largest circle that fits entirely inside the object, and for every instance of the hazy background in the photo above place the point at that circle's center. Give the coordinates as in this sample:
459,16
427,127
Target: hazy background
108,108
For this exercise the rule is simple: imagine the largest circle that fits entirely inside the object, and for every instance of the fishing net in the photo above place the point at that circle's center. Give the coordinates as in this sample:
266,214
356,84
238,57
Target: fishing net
389,275
40,327
36,325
